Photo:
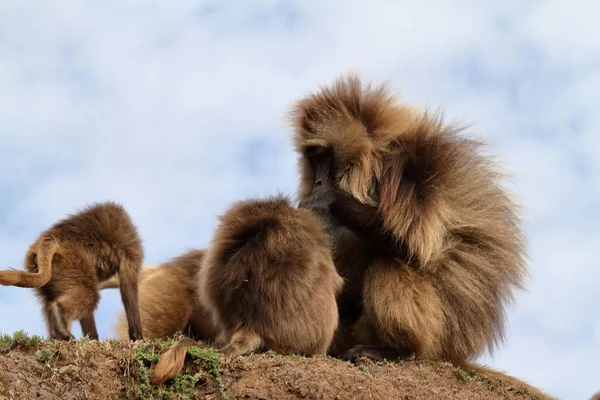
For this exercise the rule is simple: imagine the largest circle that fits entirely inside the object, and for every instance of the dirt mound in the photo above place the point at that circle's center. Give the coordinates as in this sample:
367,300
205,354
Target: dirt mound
32,368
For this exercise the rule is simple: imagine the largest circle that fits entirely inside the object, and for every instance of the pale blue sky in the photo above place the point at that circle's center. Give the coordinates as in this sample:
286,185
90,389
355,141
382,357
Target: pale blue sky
177,108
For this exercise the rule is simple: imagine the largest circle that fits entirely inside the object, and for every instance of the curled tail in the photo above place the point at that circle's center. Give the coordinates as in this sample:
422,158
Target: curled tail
171,363
44,253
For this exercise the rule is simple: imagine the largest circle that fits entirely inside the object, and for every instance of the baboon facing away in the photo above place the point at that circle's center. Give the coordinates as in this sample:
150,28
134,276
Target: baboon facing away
424,234
168,300
67,261
268,281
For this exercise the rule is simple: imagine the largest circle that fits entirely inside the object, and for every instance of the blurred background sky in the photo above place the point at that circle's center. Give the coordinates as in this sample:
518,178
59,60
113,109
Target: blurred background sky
177,108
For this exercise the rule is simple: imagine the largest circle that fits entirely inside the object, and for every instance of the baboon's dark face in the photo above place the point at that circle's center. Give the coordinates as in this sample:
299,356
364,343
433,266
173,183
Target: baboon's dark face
322,165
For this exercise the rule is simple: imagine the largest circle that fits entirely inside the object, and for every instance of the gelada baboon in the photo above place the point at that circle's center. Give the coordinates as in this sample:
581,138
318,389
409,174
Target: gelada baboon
67,261
168,300
425,236
269,282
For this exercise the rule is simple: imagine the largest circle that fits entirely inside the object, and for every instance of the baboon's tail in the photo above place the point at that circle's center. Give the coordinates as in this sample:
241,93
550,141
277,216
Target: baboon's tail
171,363
45,251
506,379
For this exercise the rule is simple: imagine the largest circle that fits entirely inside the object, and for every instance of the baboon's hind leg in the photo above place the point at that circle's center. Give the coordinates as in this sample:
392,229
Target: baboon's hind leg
76,304
88,326
56,322
128,284
402,317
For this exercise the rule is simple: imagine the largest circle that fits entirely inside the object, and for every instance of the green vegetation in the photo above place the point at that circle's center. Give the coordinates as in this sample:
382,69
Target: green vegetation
365,369
465,375
47,352
210,361
183,385
18,339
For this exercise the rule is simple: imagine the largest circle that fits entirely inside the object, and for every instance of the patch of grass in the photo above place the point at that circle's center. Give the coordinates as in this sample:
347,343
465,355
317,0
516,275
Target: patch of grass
210,361
144,357
465,375
6,343
46,353
271,353
183,385
146,353
365,369
18,339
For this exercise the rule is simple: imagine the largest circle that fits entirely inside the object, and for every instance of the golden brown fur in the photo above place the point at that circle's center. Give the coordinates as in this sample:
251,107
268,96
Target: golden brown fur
168,301
595,396
269,281
67,262
113,281
427,239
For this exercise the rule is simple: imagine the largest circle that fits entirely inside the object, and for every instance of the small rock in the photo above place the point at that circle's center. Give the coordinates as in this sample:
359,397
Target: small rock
69,369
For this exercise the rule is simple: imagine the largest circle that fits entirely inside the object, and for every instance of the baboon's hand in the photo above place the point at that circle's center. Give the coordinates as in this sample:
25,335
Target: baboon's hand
320,199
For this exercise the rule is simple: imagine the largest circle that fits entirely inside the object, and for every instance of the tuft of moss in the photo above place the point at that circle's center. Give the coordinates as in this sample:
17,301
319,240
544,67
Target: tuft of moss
210,361
465,375
365,369
47,353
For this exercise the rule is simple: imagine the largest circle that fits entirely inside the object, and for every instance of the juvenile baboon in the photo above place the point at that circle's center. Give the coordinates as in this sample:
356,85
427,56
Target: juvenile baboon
269,282
425,236
67,261
168,300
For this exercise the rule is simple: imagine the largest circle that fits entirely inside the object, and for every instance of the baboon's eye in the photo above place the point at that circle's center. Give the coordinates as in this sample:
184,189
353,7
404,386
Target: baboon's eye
315,152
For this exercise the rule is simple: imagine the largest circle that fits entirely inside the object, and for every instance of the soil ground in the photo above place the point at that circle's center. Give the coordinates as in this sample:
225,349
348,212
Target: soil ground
31,368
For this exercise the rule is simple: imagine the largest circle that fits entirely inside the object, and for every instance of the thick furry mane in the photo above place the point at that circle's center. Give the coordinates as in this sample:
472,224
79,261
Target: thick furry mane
372,106
358,120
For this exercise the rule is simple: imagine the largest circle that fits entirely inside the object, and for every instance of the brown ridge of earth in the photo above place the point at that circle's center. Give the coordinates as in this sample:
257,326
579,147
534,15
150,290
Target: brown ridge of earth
115,370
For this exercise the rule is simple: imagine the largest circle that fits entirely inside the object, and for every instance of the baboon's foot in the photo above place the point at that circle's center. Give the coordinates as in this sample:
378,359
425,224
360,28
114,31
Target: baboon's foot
378,353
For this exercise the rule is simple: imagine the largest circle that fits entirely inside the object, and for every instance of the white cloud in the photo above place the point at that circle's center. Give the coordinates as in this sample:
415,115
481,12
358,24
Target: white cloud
177,109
